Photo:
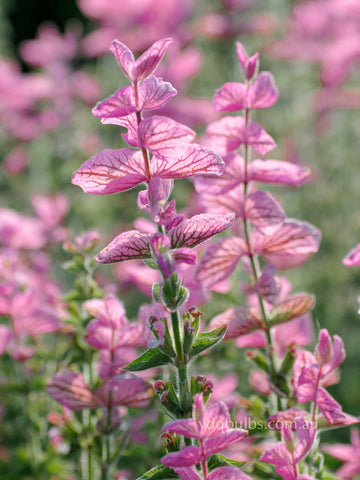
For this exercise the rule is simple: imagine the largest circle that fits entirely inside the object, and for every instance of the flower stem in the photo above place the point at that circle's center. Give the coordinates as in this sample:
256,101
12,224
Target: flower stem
254,266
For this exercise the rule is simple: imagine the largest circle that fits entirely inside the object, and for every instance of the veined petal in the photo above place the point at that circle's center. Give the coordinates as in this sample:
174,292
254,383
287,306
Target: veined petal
291,308
239,321
69,389
127,390
259,139
277,171
287,245
262,209
328,406
352,259
227,473
199,228
188,428
262,93
120,104
230,97
231,132
305,376
154,93
147,63
227,134
234,174
187,473
194,161
214,420
222,441
281,458
163,136
126,246
124,56
305,432
187,456
111,171
228,202
130,123
220,259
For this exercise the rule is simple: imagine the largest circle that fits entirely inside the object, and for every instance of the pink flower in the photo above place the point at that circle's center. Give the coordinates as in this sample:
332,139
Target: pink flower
287,454
111,329
313,372
181,233
70,390
349,454
210,426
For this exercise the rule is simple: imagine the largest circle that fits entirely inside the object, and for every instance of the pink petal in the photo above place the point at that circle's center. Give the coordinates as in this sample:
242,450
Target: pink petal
259,382
276,171
230,97
37,323
352,259
195,160
214,420
163,136
288,245
234,174
127,390
281,458
222,441
348,471
239,321
231,132
197,229
338,355
248,64
268,286
262,93
255,339
126,246
237,96
125,58
147,63
114,312
220,260
329,407
187,456
323,350
187,473
305,373
345,453
130,122
258,139
299,331
111,171
229,202
227,473
305,432
69,389
188,428
262,209
154,93
120,104
291,308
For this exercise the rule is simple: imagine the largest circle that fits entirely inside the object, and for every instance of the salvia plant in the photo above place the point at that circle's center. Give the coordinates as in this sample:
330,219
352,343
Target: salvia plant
113,367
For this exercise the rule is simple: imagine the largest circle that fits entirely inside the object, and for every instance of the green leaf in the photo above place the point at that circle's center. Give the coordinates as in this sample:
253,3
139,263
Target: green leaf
160,472
207,340
151,358
219,460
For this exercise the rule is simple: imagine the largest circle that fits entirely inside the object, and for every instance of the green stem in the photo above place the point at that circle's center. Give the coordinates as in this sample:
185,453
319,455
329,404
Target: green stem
254,266
175,321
